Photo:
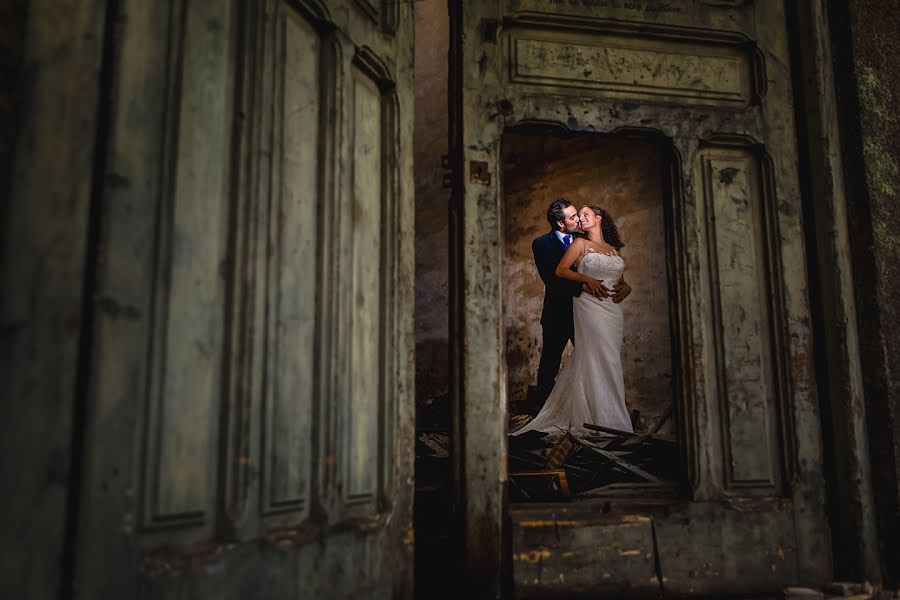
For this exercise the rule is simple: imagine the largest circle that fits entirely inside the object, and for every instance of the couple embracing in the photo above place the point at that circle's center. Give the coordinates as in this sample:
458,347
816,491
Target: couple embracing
579,262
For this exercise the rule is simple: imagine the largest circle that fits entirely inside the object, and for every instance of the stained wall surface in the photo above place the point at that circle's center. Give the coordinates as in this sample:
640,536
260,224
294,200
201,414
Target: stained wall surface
625,178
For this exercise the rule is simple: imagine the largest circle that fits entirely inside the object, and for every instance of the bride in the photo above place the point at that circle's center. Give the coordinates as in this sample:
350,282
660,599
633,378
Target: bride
590,388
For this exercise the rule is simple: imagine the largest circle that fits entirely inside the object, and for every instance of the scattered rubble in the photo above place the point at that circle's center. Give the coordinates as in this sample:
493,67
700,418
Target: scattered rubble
607,462
547,468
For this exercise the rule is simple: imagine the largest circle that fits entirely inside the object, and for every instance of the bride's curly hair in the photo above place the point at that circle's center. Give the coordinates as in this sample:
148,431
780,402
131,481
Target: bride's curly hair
608,227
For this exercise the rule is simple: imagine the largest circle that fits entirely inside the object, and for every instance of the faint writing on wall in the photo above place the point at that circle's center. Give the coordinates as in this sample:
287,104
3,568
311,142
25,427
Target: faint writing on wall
617,67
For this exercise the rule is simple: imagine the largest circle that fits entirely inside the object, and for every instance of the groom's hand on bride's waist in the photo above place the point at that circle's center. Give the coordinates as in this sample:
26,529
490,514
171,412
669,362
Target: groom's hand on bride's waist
600,292
621,291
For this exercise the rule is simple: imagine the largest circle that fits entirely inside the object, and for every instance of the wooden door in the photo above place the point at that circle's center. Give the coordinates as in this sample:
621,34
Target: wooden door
249,419
711,78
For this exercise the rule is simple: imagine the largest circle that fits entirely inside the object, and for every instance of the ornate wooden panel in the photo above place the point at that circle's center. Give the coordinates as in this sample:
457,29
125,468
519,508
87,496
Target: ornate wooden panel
293,276
367,218
247,381
734,207
633,67
183,394
372,226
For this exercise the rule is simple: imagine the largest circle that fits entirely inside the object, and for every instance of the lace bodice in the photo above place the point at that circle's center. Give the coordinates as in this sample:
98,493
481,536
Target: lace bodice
599,265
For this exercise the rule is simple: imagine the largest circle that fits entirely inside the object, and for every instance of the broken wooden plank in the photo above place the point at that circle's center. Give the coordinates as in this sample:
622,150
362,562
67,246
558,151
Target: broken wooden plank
604,429
560,452
642,490
438,450
623,463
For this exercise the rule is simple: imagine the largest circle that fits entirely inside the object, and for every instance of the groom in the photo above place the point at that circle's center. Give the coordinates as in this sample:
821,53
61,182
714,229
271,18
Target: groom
557,323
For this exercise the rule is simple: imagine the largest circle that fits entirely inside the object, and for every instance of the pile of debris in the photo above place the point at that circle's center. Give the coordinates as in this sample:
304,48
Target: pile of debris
607,462
545,467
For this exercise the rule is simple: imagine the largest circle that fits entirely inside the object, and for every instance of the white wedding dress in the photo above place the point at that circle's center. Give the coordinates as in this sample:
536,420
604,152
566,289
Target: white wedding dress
590,387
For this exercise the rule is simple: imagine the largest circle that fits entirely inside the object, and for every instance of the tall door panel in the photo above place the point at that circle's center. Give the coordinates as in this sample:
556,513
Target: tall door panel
250,413
711,80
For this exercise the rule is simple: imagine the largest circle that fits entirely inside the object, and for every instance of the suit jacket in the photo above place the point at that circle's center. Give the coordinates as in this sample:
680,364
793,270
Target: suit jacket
548,250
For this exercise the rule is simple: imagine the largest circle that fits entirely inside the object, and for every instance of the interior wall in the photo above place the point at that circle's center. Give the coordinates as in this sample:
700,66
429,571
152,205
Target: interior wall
432,245
625,178
430,141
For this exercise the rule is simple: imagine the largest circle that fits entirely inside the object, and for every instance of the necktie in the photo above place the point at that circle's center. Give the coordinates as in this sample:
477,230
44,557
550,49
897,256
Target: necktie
567,239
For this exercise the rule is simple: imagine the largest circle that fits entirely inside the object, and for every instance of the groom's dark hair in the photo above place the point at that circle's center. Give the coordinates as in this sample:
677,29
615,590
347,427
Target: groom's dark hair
555,212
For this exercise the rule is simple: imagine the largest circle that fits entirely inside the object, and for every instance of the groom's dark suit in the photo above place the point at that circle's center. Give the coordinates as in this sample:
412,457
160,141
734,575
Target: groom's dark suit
556,316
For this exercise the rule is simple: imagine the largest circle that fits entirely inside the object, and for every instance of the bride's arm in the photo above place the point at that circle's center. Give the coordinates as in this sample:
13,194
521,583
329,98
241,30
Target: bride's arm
564,271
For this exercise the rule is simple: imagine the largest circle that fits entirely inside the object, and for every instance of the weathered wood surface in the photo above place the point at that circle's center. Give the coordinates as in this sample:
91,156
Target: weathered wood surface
45,240
616,549
747,407
567,553
250,422
853,524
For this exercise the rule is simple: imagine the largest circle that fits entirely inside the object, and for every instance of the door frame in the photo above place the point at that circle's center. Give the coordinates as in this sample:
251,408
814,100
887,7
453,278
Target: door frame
839,372
671,163
476,340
